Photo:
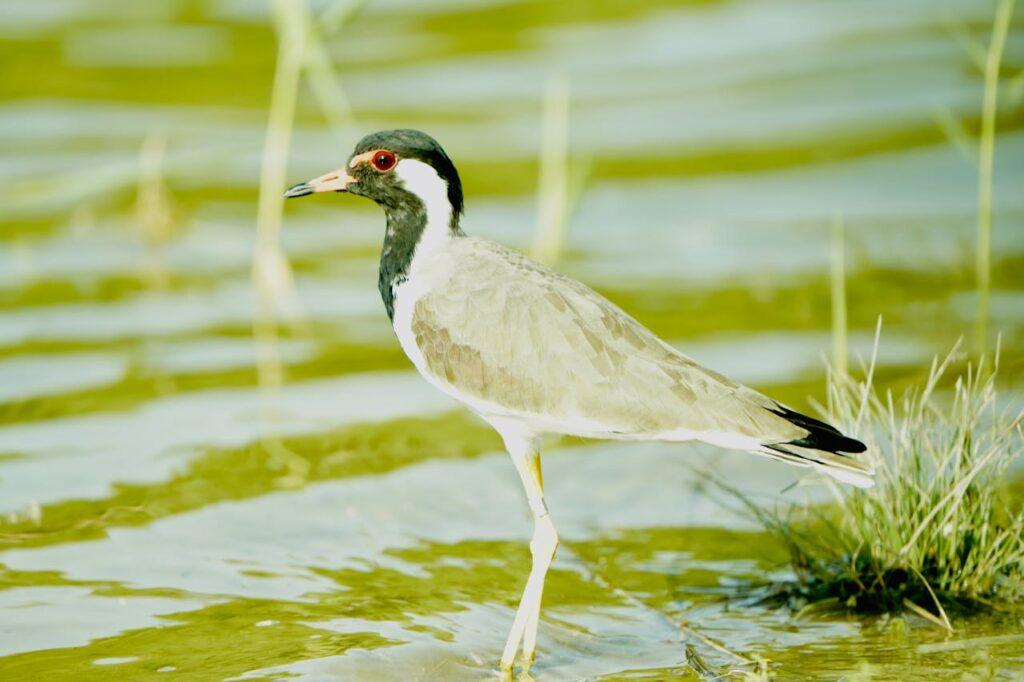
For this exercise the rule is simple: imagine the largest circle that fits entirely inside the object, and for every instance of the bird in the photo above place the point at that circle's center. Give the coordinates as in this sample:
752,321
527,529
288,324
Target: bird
537,354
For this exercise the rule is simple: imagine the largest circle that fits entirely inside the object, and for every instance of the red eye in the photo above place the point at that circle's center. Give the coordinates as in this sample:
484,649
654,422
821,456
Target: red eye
383,161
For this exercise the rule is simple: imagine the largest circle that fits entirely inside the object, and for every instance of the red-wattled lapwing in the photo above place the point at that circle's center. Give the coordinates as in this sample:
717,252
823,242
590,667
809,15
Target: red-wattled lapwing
536,353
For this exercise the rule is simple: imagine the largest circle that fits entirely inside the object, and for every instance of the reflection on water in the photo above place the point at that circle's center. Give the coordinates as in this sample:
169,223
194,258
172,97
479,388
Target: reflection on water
163,515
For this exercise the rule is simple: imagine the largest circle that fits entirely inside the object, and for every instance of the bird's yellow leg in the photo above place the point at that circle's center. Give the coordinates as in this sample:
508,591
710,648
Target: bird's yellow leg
542,549
547,543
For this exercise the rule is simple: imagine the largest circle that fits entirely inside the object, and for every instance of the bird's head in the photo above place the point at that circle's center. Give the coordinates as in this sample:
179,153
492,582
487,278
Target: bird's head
398,169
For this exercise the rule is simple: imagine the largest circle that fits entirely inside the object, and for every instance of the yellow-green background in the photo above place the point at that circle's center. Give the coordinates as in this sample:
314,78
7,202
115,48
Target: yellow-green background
163,517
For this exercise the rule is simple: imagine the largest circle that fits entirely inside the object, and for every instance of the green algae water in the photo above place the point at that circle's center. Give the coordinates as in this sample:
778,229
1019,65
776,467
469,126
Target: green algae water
164,515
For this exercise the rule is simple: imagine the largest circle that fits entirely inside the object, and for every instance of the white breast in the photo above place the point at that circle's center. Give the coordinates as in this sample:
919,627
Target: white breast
428,270
431,271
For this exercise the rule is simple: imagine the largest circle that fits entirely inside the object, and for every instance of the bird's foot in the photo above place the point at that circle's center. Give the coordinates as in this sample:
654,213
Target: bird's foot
507,673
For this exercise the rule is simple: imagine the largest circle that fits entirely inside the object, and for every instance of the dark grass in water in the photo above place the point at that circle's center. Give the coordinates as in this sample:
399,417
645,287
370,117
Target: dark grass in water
939,532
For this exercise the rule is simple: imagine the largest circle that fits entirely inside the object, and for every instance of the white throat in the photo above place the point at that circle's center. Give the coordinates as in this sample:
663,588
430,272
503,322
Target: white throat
422,180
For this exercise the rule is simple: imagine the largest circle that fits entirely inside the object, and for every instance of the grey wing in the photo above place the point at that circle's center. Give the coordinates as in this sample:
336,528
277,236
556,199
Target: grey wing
520,337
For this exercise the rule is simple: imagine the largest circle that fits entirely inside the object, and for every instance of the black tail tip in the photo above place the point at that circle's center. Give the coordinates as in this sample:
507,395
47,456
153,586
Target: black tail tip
820,436
838,444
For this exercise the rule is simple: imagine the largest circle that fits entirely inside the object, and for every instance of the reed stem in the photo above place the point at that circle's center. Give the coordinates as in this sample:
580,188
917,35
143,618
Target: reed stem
553,190
271,272
986,159
840,332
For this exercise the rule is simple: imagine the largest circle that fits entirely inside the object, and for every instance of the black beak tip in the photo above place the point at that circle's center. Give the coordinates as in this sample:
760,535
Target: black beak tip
299,190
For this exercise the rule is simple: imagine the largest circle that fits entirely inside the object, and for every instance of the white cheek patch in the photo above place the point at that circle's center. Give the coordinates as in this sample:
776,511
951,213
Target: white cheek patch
422,180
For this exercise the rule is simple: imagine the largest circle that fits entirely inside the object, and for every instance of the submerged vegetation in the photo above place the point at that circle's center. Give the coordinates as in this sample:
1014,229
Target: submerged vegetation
937,532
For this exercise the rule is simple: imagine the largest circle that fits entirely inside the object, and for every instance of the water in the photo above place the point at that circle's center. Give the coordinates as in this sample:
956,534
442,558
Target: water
166,516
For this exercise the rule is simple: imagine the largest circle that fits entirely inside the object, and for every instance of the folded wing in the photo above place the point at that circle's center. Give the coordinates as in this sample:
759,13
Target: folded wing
521,337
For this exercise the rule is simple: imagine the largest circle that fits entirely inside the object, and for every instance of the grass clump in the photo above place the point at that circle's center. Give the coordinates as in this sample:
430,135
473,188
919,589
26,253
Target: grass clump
939,531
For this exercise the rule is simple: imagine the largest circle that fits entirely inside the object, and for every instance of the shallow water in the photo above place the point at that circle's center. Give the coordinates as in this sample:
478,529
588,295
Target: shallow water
165,516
